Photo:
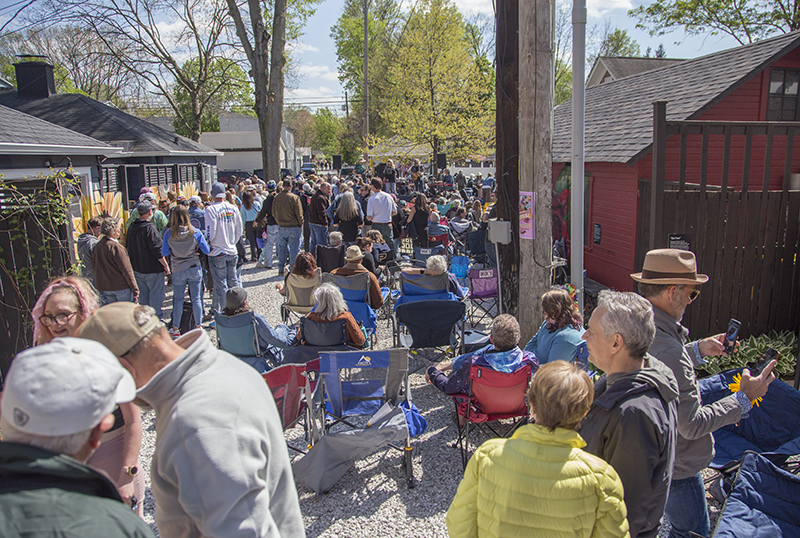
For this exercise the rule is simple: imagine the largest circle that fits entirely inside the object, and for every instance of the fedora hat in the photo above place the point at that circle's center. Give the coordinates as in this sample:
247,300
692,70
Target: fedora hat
670,266
353,254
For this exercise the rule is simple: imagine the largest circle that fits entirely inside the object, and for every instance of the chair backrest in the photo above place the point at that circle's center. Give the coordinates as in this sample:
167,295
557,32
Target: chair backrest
385,256
237,334
476,243
300,291
286,383
320,333
424,284
442,240
459,266
422,254
360,382
431,323
353,287
483,282
500,394
329,258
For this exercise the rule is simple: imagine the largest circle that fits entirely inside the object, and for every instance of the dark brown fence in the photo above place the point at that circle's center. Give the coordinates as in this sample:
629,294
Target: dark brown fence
33,249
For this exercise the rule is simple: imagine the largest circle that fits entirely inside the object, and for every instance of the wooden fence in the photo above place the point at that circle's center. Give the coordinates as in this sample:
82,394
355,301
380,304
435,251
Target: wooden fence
745,240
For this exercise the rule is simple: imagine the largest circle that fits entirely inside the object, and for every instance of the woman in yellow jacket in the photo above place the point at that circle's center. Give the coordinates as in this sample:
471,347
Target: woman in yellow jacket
539,482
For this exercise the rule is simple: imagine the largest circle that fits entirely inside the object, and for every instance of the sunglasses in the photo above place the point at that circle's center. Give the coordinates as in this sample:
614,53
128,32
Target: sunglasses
694,295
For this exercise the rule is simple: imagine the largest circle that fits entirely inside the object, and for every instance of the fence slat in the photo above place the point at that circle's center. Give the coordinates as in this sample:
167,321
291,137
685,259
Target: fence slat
747,297
730,274
789,302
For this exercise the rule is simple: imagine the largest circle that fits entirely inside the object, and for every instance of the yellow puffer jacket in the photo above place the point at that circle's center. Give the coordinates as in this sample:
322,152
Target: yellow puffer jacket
538,483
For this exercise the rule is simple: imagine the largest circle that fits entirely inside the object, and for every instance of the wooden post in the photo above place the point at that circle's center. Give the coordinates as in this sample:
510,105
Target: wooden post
507,143
535,156
657,184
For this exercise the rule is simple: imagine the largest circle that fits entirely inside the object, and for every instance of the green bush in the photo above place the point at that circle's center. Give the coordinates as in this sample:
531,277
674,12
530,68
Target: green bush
750,352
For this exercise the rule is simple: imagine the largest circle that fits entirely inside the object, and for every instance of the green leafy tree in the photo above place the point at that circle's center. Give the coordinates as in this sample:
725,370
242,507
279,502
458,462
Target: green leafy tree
440,96
616,42
328,130
744,21
302,121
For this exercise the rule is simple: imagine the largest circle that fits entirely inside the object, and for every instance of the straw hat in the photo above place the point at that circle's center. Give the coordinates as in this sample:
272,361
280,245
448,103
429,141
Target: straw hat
670,266
353,254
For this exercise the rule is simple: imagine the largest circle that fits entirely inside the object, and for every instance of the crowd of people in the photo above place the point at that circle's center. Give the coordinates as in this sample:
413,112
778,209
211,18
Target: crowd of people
607,457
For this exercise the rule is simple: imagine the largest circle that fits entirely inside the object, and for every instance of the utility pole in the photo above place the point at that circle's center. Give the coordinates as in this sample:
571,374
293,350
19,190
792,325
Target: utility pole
578,117
346,105
535,159
366,81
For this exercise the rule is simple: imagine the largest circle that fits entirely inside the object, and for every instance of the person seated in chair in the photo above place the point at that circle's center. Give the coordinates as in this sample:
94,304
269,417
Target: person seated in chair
330,256
502,355
369,262
305,266
560,334
538,460
460,224
435,227
354,266
329,305
272,340
437,265
380,249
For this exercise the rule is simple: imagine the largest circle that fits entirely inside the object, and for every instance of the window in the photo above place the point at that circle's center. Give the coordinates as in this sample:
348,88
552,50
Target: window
783,95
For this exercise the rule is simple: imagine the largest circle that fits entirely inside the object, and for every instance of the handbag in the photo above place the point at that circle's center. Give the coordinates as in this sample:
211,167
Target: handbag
411,230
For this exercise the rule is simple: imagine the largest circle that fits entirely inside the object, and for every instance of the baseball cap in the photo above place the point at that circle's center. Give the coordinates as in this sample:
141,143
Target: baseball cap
235,297
218,190
144,207
114,326
196,200
271,186
306,187
63,387
147,196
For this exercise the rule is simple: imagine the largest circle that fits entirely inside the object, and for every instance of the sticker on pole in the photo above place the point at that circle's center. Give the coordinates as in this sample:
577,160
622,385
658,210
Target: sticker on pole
526,214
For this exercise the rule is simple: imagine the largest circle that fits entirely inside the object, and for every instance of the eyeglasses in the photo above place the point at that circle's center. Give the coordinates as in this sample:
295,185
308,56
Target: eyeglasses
694,295
58,319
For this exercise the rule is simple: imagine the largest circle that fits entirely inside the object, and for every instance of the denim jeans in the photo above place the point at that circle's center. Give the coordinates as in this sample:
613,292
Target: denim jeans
386,231
686,507
288,246
319,236
269,245
151,290
391,187
223,271
118,296
192,278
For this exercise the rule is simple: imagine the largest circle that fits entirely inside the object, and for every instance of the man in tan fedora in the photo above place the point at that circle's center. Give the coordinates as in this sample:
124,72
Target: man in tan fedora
670,281
353,266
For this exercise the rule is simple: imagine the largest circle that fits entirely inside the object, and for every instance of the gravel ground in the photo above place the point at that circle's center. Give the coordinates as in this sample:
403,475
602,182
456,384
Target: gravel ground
372,499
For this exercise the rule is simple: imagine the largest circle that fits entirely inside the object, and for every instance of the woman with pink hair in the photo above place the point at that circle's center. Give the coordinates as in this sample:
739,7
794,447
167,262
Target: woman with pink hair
61,309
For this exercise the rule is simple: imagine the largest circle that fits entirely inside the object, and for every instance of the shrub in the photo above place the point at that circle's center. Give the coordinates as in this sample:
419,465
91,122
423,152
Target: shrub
750,352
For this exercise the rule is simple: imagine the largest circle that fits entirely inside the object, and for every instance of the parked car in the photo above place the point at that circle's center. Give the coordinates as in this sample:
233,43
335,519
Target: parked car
228,177
308,168
346,170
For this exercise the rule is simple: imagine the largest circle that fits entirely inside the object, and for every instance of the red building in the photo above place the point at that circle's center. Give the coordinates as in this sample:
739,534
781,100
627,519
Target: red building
757,82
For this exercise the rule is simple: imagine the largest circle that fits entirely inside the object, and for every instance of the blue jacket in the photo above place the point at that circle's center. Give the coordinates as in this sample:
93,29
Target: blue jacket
501,361
561,344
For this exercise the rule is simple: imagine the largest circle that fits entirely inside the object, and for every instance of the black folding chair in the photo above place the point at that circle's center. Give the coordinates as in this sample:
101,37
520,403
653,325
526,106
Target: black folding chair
436,325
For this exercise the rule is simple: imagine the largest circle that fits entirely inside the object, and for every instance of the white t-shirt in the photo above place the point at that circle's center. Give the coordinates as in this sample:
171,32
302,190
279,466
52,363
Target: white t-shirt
223,228
380,207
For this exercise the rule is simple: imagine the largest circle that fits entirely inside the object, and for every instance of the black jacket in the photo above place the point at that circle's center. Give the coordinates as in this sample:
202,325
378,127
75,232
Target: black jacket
144,247
266,211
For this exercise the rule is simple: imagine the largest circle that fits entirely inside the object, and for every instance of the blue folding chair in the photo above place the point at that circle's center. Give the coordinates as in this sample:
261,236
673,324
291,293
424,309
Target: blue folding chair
459,266
238,336
355,290
422,254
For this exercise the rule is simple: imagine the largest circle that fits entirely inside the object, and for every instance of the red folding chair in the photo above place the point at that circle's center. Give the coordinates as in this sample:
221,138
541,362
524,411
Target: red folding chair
492,396
294,388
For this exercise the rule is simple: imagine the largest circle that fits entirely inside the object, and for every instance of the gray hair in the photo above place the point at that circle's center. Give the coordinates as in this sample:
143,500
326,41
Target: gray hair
649,291
329,302
108,225
62,444
436,265
348,207
335,239
505,332
631,316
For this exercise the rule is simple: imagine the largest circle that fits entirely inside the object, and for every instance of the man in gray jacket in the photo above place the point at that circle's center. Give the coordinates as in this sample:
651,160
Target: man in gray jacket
221,466
632,423
669,280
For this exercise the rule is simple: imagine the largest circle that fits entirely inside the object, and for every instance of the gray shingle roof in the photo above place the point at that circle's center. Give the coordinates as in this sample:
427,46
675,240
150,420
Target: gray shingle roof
621,67
19,128
93,118
619,114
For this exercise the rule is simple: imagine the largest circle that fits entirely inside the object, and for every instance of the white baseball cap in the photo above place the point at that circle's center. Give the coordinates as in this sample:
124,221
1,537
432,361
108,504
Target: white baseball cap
64,387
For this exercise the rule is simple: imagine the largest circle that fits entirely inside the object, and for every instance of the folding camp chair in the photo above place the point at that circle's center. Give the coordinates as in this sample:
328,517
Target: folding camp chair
434,325
359,384
317,337
299,295
411,284
492,396
483,293
238,336
355,290
459,231
329,258
422,254
459,266
441,240
772,427
293,387
763,502
476,246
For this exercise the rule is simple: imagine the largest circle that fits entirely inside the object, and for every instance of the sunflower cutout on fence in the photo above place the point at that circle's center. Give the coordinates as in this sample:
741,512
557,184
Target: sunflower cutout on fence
736,387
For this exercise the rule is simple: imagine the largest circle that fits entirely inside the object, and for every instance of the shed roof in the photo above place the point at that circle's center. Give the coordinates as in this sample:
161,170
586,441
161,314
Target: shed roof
621,66
619,114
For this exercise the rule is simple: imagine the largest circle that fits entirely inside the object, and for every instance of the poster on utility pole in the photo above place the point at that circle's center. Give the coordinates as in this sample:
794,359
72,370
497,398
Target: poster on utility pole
526,213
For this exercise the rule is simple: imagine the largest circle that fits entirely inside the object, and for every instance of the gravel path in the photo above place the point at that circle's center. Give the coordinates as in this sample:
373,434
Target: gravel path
372,499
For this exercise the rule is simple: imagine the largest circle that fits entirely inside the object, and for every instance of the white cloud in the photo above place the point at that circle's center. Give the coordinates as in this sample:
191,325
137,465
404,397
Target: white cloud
312,71
475,6
311,92
301,47
601,8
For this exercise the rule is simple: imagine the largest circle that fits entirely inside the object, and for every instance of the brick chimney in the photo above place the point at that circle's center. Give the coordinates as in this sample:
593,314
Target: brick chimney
34,78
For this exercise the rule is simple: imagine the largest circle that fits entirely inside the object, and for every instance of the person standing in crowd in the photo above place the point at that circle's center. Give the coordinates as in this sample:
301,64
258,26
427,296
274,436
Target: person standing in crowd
289,216
197,212
348,217
86,243
399,225
223,230
670,282
560,334
317,217
419,215
159,218
249,211
221,466
557,488
380,210
390,175
270,226
181,243
57,401
305,194
149,266
113,274
633,423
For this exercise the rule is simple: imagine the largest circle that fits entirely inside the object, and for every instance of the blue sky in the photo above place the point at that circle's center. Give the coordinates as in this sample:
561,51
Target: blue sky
315,54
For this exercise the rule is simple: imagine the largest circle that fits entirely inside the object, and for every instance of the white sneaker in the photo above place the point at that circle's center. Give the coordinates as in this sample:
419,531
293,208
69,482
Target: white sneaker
261,265
175,333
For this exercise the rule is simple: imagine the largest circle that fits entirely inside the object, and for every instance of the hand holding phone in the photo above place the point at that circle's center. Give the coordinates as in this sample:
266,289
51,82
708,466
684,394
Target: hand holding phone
769,355
729,342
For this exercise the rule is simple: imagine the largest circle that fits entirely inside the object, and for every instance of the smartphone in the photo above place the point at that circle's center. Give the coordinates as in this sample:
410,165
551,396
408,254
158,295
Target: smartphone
729,344
768,356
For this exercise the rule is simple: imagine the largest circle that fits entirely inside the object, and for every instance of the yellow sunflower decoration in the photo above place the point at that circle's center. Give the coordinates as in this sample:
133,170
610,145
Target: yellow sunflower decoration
736,387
